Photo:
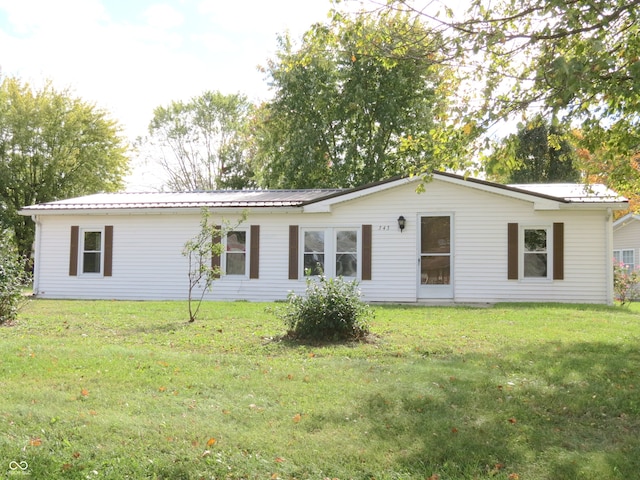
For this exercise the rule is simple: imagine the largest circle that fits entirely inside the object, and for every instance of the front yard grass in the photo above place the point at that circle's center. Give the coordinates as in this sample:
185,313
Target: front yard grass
131,390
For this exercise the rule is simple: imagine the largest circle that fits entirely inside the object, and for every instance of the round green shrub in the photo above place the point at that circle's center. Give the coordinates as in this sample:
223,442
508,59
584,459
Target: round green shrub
330,310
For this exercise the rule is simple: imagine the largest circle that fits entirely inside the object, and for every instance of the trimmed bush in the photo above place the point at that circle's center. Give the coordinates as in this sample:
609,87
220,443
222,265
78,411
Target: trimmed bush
330,310
13,278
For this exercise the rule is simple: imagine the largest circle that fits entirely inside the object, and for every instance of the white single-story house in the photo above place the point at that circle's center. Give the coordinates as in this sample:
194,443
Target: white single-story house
626,240
460,240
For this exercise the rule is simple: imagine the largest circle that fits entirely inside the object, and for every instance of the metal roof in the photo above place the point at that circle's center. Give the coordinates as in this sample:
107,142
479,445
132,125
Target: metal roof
219,198
561,192
572,192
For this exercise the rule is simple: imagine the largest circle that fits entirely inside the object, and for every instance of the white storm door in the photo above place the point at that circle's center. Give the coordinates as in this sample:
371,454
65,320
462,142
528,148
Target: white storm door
435,257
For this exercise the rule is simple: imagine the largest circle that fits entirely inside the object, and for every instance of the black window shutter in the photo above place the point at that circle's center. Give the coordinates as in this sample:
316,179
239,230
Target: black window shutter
558,251
293,252
73,251
512,251
108,250
254,254
366,252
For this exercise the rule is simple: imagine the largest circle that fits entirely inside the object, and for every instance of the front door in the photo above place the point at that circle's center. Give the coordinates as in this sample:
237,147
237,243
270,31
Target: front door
435,257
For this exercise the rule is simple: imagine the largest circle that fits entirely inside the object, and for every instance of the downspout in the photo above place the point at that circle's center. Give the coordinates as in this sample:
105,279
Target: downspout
609,255
36,255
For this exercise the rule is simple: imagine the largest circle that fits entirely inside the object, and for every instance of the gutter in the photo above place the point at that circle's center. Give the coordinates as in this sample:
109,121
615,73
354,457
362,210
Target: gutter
157,210
37,253
609,256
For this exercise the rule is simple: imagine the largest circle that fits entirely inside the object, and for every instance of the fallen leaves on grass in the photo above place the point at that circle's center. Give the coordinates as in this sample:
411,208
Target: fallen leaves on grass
35,442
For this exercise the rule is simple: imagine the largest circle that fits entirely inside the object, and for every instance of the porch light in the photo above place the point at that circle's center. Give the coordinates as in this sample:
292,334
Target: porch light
402,222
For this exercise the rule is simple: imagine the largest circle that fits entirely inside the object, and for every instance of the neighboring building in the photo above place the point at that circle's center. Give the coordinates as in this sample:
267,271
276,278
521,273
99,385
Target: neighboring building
462,240
626,240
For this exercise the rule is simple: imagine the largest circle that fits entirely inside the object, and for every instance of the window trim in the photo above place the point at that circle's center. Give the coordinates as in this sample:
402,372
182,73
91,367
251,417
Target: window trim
549,251
330,249
82,251
358,252
555,245
76,246
247,246
326,247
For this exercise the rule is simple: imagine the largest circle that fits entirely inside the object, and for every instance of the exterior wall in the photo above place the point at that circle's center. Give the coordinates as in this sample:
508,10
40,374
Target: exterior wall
626,236
148,264
480,246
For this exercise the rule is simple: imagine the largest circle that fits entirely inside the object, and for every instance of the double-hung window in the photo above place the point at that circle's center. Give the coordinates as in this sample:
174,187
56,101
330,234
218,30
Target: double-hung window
91,251
536,253
236,253
346,253
314,252
92,248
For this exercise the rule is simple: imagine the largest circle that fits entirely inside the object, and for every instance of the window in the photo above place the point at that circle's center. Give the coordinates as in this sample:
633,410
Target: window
626,257
331,251
236,253
535,261
347,253
313,256
535,252
335,252
91,251
240,254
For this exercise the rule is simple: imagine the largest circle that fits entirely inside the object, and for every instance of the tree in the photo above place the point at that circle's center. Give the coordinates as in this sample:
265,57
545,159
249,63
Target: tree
200,250
202,272
13,278
202,144
343,115
52,146
577,60
537,153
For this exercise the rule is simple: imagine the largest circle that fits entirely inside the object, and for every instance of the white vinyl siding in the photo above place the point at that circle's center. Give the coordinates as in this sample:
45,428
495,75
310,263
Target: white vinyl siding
148,264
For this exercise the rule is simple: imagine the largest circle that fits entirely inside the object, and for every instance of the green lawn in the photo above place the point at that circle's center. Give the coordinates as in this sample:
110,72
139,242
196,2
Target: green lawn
130,390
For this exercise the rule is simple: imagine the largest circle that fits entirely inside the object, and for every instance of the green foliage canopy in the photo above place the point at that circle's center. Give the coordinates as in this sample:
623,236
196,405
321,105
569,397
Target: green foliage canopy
343,114
13,278
578,61
202,144
537,153
52,146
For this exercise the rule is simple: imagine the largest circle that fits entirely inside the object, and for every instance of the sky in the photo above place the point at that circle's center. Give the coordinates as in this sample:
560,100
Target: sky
131,56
